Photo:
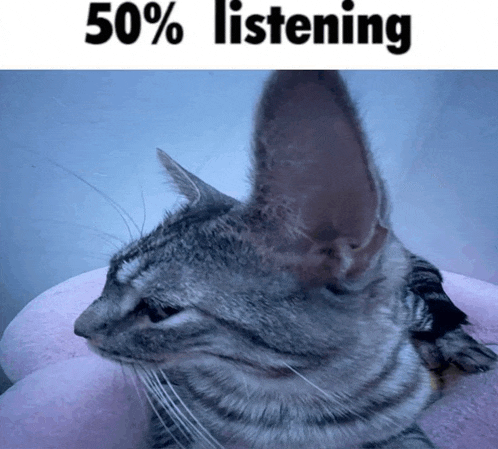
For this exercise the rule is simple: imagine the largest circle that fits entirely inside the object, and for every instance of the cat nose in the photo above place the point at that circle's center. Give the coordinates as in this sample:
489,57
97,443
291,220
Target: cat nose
88,325
80,328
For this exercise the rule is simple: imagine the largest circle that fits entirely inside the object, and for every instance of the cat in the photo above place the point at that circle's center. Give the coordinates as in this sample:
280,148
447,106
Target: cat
294,320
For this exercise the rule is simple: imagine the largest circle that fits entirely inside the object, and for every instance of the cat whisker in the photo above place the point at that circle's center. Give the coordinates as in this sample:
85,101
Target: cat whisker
106,236
198,429
297,373
208,435
140,392
152,389
116,206
164,424
173,408
145,212
326,394
157,388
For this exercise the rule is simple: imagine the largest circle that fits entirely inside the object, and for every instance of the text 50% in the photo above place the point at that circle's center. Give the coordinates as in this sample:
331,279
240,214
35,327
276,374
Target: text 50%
128,23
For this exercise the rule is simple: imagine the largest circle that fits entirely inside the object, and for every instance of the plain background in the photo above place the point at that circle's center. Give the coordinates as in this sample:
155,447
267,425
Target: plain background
434,135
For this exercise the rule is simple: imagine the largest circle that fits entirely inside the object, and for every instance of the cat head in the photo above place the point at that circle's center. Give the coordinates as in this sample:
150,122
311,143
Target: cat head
267,280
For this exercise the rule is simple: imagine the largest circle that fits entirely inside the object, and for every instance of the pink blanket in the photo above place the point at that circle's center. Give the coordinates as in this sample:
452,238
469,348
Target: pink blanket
66,397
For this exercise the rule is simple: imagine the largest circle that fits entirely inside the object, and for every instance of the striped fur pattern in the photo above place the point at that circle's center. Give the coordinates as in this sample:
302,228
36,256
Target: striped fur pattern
295,320
437,324
433,311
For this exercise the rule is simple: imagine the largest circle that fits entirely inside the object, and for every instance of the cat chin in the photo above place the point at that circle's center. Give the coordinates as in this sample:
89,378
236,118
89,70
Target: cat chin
108,355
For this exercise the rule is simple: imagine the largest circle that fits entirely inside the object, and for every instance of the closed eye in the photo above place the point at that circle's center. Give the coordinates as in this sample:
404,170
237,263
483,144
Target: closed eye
336,290
154,310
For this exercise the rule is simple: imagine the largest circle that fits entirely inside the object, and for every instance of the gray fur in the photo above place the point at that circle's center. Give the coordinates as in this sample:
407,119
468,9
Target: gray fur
287,322
190,186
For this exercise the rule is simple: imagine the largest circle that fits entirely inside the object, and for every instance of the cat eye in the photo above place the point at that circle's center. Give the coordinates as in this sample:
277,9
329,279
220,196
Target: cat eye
155,311
336,290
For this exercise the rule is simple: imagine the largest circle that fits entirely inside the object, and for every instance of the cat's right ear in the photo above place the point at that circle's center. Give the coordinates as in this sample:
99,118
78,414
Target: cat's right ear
313,179
196,191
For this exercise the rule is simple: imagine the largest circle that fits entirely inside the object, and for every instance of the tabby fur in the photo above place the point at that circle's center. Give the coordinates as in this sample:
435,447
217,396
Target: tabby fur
294,320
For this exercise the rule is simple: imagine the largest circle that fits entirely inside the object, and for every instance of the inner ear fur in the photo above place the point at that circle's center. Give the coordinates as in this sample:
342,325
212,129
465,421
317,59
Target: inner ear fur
313,177
196,191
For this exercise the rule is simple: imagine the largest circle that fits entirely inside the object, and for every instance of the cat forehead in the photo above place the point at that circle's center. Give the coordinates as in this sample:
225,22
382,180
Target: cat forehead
137,259
128,270
135,270
179,236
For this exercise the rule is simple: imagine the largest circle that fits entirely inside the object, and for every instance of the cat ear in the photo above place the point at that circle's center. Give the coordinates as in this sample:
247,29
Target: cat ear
313,178
190,186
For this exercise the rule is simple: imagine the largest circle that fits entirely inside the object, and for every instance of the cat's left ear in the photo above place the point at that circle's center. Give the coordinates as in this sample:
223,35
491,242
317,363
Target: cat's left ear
319,202
197,192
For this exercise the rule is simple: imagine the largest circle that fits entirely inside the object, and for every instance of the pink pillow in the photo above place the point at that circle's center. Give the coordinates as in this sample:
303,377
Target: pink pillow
66,397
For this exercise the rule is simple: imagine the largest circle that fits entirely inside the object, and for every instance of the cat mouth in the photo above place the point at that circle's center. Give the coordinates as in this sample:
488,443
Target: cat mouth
120,358
269,371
